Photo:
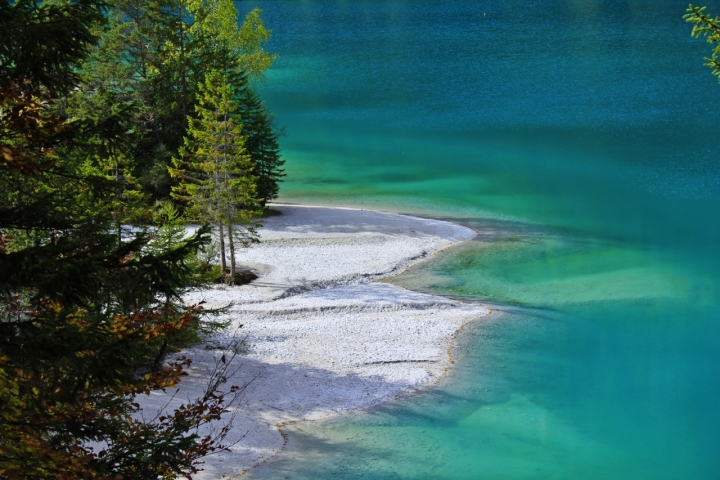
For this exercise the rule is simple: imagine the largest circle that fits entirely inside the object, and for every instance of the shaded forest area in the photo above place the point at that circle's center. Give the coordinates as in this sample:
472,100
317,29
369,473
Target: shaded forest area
113,114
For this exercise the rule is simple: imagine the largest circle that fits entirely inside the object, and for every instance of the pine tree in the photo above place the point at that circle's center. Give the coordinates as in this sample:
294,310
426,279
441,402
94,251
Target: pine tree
214,170
262,141
40,41
80,308
153,55
138,63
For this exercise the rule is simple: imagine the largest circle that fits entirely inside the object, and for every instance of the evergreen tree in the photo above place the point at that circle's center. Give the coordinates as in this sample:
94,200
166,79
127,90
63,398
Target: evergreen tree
41,41
153,55
262,141
81,310
214,170
238,54
136,64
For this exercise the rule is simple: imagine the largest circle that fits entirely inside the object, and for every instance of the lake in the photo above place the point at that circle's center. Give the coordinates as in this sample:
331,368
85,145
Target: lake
578,138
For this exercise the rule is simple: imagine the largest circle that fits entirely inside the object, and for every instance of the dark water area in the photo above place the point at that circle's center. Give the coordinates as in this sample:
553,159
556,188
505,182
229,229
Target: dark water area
578,138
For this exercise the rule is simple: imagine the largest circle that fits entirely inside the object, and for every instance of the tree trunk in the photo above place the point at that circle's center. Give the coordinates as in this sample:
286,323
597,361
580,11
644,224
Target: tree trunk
232,253
223,263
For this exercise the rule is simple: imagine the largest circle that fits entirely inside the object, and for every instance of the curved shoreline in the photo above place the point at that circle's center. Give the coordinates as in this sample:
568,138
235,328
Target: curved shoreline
321,335
282,425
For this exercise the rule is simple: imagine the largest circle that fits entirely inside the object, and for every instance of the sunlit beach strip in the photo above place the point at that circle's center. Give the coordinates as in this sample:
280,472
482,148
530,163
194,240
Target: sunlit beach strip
320,335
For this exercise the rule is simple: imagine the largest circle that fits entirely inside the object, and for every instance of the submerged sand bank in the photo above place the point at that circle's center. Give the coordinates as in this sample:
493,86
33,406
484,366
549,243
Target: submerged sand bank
320,336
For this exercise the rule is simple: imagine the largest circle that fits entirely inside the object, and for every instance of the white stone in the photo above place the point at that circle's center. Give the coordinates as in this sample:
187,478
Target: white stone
320,337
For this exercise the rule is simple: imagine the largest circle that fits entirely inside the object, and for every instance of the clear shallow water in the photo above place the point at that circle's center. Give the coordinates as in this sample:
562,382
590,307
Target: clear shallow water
578,138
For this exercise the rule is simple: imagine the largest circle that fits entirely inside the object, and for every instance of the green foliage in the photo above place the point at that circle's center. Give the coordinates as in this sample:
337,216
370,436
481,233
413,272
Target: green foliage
87,310
40,41
253,59
217,181
213,169
153,55
170,233
262,141
131,67
706,26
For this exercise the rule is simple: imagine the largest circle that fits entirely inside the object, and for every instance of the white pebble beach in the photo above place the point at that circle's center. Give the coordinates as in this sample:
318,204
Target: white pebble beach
321,334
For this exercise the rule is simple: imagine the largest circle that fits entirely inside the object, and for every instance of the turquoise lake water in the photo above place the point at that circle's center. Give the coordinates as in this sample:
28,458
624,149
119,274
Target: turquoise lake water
578,137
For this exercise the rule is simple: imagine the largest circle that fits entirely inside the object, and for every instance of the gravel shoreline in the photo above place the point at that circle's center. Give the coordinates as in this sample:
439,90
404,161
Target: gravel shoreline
320,336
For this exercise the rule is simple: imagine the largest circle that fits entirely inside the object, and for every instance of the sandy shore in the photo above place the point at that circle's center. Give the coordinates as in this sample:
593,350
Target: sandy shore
320,334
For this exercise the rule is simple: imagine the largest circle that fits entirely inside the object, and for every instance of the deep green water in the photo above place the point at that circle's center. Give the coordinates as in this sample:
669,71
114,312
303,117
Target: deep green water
579,138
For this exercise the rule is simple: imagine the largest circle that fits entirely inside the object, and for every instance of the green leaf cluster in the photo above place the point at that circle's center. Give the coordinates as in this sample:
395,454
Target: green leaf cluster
705,25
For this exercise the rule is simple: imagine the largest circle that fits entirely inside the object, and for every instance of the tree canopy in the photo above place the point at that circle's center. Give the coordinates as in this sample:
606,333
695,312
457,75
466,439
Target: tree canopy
93,97
214,170
154,55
